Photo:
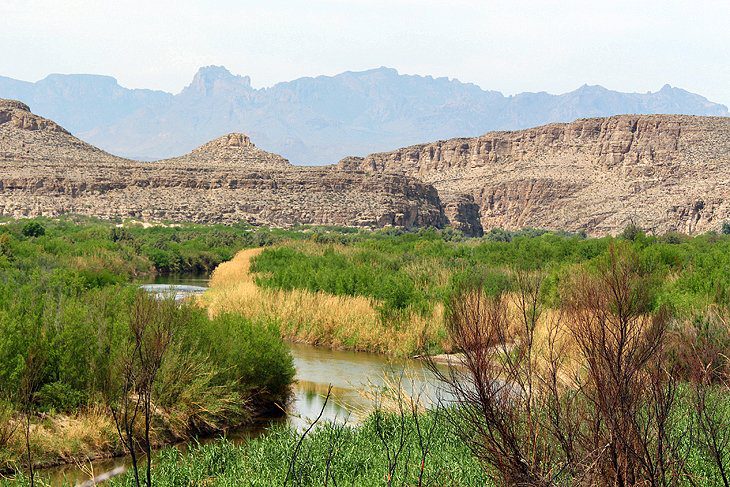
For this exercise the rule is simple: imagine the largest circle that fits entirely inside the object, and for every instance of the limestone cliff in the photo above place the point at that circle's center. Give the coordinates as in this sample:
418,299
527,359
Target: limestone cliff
662,172
46,171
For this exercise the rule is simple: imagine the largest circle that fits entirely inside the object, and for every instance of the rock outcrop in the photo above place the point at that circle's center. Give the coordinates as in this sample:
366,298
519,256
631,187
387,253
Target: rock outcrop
234,150
44,171
661,172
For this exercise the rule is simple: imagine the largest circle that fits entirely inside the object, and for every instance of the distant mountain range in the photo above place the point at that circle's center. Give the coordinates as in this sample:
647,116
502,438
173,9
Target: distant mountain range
316,120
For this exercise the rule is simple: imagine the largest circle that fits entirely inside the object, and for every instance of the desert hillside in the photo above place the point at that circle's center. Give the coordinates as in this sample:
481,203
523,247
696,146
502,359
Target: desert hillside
662,172
45,171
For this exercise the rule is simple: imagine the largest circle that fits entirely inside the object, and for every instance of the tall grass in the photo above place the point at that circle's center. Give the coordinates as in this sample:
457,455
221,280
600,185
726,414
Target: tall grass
330,455
320,318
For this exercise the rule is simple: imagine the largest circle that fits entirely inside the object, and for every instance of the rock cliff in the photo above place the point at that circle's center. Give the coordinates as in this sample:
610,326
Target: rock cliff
661,172
46,171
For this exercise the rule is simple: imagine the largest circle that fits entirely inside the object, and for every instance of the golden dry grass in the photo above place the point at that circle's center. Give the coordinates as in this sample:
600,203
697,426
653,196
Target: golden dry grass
62,439
349,322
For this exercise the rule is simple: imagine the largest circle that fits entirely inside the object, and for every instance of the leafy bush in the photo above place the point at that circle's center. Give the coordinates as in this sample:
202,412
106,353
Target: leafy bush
250,355
33,229
60,396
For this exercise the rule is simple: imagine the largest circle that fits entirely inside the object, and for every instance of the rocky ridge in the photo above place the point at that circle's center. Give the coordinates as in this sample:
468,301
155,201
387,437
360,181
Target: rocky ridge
233,149
45,171
26,136
661,172
317,120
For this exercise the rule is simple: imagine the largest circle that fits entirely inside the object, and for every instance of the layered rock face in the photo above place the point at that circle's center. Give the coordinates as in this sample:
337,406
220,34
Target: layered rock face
661,172
44,171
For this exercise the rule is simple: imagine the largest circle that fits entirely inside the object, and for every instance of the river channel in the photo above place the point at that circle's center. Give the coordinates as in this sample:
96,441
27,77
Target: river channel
357,379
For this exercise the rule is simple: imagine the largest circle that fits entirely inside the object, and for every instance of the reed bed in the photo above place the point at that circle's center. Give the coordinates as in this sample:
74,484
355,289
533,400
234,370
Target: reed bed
318,318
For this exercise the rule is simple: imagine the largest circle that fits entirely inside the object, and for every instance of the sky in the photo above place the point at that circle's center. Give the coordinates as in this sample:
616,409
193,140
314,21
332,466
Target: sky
509,46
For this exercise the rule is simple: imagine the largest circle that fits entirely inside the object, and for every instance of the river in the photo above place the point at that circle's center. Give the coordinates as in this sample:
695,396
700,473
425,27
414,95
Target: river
357,380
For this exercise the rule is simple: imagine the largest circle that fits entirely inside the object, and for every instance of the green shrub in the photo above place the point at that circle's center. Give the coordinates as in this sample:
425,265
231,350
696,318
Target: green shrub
33,229
251,355
59,396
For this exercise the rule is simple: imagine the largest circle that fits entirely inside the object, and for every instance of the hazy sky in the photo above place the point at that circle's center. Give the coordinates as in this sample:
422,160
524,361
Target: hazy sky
510,46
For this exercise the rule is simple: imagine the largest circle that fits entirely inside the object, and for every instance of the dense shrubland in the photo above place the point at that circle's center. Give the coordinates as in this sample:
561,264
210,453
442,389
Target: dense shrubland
400,283
417,270
607,388
69,317
599,382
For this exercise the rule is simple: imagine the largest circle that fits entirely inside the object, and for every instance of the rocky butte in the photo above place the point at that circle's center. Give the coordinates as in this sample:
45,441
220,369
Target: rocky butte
45,171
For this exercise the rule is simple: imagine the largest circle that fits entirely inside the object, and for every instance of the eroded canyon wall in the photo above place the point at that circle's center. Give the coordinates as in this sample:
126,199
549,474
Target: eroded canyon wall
661,172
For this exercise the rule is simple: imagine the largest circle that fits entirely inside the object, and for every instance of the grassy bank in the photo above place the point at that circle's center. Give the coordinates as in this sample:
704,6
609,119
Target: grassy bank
590,381
384,448
615,353
317,317
74,330
332,455
388,294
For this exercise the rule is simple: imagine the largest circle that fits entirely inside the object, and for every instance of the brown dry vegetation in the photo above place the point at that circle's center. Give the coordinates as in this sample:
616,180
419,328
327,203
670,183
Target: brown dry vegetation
318,318
64,438
591,393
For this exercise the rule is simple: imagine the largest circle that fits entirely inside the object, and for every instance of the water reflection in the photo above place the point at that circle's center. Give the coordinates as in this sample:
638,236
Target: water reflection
178,291
359,380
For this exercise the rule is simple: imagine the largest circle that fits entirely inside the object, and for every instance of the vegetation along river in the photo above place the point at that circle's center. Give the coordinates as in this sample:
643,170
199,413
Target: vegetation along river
359,381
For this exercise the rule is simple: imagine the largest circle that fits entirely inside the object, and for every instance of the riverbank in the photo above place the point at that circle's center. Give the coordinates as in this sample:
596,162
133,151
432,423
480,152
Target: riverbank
322,319
192,400
359,381
78,338
331,455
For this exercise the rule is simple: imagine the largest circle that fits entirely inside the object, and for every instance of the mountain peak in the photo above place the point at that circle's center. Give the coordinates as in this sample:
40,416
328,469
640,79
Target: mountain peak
211,79
592,89
232,141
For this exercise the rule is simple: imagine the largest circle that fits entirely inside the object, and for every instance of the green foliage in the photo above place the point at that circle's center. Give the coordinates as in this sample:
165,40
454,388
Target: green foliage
366,273
66,294
358,457
34,229
249,355
412,271
726,228
632,232
60,396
